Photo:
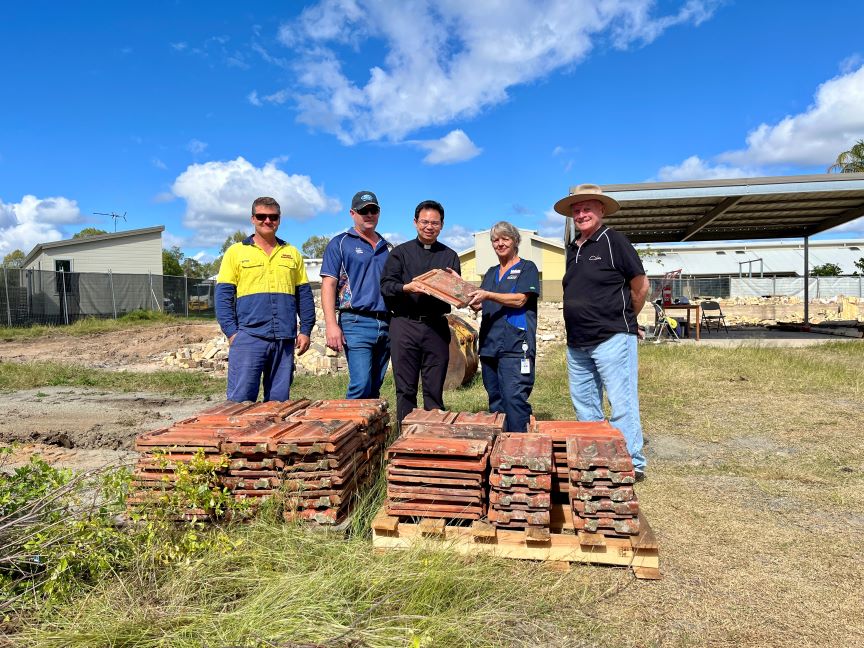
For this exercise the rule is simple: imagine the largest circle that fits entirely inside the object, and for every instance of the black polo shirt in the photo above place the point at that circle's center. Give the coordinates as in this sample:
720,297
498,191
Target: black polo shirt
597,301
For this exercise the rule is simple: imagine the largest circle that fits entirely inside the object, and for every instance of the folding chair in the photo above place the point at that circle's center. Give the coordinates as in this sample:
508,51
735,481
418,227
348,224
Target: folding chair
664,323
711,312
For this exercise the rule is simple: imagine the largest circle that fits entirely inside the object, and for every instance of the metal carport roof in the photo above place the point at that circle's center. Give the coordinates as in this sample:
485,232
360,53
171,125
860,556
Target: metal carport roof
735,209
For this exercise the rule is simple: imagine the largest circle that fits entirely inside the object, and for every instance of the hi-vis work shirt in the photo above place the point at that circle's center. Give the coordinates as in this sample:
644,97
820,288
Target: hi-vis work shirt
264,295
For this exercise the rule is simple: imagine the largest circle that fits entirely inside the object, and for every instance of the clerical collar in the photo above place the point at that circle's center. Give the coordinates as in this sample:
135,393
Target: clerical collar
427,246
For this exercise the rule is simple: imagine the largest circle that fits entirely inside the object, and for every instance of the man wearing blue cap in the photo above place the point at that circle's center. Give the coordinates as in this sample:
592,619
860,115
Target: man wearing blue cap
351,284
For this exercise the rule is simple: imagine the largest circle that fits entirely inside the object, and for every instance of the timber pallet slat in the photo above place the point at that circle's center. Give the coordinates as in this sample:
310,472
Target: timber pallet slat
565,544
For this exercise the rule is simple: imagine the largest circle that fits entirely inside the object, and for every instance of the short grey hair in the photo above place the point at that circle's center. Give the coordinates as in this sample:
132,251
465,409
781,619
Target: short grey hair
503,228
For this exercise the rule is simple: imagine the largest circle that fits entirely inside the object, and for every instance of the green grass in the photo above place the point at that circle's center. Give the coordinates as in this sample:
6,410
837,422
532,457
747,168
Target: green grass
91,325
32,375
756,486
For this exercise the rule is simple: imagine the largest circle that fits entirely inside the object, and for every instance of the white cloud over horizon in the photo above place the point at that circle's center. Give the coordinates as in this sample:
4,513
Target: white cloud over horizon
34,220
219,196
476,56
457,237
832,123
454,147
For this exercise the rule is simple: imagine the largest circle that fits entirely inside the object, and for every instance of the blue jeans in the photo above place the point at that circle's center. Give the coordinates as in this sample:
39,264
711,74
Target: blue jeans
250,358
508,390
613,365
367,349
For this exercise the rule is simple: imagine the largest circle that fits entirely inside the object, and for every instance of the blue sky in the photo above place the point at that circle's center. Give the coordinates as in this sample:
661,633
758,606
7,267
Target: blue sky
180,113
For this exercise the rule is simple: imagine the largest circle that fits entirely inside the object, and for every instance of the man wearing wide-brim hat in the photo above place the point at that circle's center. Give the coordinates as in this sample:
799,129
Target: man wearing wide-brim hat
604,289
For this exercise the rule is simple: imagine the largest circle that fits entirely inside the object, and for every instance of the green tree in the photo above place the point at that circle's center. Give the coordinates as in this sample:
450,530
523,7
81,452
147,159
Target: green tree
851,161
860,265
172,262
236,237
826,270
314,246
89,231
15,259
195,269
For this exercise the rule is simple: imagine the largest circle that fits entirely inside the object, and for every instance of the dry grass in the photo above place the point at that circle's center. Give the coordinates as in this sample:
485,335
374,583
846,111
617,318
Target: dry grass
756,475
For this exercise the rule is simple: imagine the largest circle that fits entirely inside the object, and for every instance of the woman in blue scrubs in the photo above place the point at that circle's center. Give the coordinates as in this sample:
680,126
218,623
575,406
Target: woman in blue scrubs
508,331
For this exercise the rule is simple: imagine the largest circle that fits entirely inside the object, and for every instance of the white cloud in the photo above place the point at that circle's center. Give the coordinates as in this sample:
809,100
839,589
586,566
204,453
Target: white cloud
33,220
164,197
277,98
831,124
219,196
203,257
816,136
159,164
449,59
454,147
457,237
179,47
552,225
394,237
196,147
695,168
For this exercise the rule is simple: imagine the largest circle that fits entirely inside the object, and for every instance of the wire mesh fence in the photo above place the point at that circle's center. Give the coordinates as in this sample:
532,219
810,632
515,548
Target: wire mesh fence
30,297
724,287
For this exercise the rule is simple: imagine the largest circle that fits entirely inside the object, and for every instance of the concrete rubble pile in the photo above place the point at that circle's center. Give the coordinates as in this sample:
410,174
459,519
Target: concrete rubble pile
520,483
438,467
314,455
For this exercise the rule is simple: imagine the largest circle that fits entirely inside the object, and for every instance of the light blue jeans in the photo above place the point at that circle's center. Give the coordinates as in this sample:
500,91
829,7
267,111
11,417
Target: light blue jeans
613,365
367,350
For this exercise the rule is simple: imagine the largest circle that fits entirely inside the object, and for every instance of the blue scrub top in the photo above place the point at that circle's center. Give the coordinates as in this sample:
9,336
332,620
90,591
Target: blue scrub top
503,330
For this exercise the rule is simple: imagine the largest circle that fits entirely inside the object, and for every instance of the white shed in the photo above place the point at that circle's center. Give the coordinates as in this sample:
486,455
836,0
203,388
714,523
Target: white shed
132,252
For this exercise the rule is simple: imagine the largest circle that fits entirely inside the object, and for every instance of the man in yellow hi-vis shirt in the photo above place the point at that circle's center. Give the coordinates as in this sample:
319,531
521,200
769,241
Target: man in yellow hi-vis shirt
261,291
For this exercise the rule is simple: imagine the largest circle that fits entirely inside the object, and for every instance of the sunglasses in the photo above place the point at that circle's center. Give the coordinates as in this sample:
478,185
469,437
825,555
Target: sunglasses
368,209
262,217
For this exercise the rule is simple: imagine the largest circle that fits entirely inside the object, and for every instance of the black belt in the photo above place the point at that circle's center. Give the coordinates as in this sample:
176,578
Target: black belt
423,318
384,317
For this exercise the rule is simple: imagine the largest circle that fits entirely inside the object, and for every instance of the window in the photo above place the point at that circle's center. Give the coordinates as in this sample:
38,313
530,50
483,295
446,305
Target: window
721,252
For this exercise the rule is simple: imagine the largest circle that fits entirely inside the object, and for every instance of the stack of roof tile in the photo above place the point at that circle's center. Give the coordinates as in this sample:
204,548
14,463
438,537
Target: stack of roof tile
520,494
439,465
319,459
559,432
601,483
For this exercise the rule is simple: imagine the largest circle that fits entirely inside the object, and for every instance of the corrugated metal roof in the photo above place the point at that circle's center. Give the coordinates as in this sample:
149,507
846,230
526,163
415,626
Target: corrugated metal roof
742,208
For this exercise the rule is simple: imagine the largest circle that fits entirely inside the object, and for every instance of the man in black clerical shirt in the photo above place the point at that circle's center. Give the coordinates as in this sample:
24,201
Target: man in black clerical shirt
419,333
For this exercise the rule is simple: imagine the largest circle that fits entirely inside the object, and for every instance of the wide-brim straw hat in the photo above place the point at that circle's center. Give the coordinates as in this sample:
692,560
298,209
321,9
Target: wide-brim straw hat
586,192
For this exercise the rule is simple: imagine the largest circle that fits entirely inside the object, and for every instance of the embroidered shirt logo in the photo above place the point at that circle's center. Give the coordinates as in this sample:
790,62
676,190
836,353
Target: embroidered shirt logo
358,250
595,258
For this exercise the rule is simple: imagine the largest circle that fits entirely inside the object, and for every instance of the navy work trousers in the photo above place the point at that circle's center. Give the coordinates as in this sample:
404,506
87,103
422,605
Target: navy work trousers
509,390
250,358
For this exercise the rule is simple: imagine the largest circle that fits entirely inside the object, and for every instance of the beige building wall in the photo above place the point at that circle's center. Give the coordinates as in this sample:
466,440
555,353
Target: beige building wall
547,255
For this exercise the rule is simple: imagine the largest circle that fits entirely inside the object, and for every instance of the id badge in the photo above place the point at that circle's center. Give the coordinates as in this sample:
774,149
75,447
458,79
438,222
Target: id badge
525,366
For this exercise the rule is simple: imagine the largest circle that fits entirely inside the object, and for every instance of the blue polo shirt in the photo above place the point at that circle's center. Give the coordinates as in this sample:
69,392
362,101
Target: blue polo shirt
357,267
503,330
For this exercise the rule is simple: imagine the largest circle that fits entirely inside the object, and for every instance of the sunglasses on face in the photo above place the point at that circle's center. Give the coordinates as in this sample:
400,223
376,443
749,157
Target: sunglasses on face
368,209
262,217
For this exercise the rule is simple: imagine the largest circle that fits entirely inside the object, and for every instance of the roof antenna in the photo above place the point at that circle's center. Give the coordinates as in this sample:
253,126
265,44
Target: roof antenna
115,216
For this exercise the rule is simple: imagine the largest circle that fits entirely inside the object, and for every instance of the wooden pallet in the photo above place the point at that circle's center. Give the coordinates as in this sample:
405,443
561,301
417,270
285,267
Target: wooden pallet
564,545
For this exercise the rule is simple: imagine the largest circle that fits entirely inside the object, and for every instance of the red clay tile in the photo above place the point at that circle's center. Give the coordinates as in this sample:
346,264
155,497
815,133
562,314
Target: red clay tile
447,287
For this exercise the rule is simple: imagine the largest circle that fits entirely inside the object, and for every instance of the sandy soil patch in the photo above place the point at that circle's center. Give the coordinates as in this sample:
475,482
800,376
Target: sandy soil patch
138,349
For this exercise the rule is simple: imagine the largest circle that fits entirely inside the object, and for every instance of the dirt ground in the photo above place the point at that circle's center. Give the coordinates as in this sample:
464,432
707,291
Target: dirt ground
139,349
84,429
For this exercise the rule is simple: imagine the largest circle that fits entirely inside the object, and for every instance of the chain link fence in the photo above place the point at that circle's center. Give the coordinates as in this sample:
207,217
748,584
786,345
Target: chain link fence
44,297
724,287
